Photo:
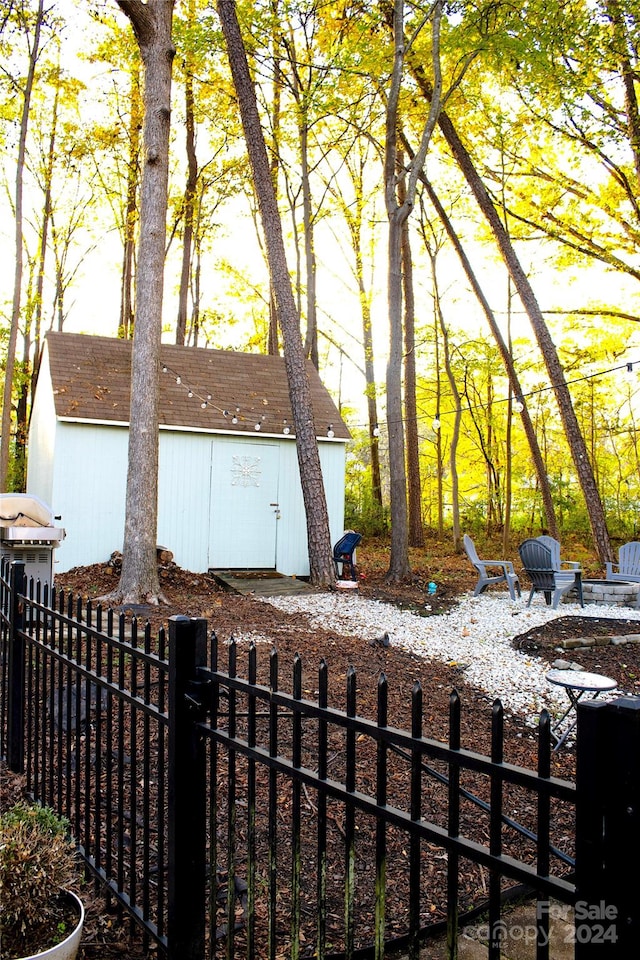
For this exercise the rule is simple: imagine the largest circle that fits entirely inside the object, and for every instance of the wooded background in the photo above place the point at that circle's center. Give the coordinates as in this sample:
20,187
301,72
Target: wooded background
459,188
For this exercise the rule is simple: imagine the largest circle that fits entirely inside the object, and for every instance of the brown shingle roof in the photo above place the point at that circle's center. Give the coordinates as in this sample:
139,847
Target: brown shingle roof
91,381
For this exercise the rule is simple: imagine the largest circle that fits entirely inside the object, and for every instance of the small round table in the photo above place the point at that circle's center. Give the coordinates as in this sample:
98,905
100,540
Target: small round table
576,683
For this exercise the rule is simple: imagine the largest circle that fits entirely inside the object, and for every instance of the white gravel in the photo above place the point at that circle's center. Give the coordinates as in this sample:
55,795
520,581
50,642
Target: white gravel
475,634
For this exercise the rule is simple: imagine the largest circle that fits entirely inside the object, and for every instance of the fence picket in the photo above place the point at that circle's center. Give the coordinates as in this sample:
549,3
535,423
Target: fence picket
92,715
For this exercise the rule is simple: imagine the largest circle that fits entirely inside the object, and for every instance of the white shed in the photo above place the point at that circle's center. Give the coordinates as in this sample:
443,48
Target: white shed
229,493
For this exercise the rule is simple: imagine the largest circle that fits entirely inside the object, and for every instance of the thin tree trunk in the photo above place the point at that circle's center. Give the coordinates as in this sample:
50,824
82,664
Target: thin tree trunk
629,78
44,236
189,194
7,394
273,347
318,536
414,491
437,326
574,437
455,436
399,567
507,359
311,338
353,214
125,330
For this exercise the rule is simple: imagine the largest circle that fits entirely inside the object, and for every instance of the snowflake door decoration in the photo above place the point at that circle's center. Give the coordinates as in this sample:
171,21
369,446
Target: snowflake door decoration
245,471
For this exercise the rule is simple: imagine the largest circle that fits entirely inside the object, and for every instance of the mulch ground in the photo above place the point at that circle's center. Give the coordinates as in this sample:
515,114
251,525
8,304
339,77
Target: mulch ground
106,936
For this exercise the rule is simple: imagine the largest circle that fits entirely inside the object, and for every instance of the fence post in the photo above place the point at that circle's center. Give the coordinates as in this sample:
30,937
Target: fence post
186,794
607,919
16,668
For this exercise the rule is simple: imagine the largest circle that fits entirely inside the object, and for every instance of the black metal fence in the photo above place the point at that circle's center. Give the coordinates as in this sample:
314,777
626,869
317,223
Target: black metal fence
230,811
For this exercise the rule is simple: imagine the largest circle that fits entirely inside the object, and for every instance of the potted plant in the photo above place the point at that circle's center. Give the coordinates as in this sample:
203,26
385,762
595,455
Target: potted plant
39,915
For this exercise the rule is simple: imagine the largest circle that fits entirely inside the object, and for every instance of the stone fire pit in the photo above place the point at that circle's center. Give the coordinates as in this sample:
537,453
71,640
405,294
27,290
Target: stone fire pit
618,593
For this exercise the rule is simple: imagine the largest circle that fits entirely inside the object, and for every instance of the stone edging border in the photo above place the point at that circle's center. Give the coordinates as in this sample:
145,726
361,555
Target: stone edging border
581,643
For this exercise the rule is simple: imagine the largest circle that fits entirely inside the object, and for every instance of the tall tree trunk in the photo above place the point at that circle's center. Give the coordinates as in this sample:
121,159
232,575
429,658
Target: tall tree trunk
125,329
152,25
414,487
7,394
44,235
273,347
319,540
399,567
507,359
437,328
629,77
189,193
455,435
372,407
353,212
508,470
311,338
574,437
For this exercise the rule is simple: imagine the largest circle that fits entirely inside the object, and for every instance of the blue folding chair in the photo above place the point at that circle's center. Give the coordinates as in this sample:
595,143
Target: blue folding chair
344,555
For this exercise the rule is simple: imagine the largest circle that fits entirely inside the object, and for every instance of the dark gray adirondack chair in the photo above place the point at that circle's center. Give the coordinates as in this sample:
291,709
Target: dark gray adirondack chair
506,575
546,578
556,562
628,565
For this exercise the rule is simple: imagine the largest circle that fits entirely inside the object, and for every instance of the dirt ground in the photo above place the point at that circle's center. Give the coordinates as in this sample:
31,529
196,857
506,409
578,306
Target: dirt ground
229,614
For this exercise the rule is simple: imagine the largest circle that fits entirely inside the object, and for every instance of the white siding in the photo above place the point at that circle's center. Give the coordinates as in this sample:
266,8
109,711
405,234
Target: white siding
89,485
84,480
42,439
183,497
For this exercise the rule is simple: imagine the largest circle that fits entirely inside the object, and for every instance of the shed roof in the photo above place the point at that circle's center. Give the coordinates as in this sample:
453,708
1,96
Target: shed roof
199,389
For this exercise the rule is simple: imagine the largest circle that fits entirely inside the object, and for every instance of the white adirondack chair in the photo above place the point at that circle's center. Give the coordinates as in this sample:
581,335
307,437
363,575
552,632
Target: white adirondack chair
506,572
628,565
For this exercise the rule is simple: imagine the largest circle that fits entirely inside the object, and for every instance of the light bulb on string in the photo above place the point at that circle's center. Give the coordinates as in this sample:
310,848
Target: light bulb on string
234,419
178,380
330,432
257,426
376,431
190,394
204,404
436,424
518,405
165,368
285,427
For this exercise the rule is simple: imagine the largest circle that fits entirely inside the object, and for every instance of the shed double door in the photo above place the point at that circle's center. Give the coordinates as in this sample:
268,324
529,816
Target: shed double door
244,506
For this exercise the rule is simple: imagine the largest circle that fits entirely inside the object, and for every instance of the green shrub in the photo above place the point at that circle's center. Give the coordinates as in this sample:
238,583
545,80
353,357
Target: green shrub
37,860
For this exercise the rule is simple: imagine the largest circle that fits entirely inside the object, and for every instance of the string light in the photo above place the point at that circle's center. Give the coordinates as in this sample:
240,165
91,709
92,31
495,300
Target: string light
518,403
627,366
